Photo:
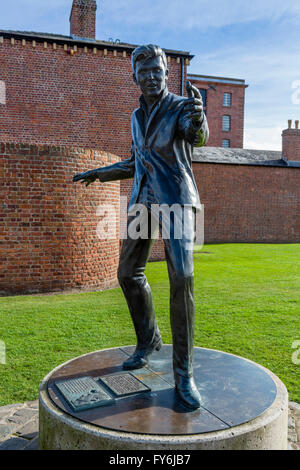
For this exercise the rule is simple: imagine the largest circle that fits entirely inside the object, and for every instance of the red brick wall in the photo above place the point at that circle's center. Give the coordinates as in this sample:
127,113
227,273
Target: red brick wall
48,239
215,111
246,204
255,204
55,98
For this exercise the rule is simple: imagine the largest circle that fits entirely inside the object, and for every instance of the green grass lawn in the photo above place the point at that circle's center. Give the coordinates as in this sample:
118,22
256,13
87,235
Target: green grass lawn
247,303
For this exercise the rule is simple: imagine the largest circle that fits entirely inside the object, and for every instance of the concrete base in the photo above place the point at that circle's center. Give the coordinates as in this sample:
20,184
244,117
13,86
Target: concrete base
60,430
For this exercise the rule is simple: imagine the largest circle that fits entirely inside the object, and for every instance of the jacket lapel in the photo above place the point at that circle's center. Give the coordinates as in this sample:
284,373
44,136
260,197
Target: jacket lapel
138,127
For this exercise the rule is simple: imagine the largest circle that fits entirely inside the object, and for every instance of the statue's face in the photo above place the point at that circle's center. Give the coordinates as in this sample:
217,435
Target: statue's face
151,76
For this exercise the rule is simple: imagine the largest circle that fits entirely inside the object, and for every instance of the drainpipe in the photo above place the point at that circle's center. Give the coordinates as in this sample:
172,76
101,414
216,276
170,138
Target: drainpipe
182,72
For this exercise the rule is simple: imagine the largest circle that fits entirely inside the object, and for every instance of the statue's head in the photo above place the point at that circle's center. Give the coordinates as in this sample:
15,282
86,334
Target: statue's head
150,69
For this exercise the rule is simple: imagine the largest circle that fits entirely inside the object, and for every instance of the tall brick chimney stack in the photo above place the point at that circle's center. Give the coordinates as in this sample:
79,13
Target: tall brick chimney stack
83,19
291,142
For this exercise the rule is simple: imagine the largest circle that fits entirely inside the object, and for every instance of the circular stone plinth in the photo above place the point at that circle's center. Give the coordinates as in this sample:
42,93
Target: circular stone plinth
244,406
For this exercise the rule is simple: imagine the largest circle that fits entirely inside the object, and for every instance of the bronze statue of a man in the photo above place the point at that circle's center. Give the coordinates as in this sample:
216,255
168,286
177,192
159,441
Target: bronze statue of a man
165,128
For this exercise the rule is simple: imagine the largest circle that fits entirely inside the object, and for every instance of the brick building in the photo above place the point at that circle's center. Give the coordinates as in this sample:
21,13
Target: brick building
70,90
63,90
65,106
224,103
251,195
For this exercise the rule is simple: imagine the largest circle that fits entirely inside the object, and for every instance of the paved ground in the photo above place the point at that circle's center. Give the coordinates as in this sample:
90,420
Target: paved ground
19,426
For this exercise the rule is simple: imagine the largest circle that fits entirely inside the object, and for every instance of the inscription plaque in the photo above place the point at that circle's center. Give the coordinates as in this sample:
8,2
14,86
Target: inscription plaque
83,393
124,384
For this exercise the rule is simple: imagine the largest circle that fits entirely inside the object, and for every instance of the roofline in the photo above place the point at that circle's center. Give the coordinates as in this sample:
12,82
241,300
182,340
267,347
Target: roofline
272,163
210,78
85,41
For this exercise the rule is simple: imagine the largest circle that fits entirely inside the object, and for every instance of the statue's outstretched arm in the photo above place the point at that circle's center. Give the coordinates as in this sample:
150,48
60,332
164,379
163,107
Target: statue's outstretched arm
118,171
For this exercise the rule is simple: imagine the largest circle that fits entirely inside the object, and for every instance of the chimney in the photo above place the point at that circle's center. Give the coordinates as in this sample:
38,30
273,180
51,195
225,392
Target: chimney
83,19
291,142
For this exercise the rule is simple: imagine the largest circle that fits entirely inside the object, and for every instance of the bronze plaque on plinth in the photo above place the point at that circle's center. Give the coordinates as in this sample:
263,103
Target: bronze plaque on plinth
83,393
124,384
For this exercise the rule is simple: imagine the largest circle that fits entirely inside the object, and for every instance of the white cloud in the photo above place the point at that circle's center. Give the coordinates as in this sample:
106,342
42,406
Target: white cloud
256,64
263,138
296,93
160,14
36,15
273,76
198,13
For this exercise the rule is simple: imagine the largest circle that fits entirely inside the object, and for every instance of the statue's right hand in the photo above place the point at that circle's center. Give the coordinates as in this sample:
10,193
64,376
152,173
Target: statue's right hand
87,177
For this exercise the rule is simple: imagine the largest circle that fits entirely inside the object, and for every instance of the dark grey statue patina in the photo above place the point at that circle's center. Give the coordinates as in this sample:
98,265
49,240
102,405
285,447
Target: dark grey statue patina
165,128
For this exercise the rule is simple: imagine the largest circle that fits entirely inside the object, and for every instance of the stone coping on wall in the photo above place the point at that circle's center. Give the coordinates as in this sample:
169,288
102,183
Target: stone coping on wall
241,156
9,148
71,40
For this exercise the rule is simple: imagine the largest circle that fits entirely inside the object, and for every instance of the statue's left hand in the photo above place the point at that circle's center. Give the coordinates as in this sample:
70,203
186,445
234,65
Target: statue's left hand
194,104
87,177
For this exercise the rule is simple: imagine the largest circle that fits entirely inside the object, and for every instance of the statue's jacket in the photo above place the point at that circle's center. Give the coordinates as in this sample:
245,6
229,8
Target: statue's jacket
161,153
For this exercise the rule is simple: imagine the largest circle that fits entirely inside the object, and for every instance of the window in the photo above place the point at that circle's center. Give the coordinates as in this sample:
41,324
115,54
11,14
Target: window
227,100
2,92
204,96
226,143
226,123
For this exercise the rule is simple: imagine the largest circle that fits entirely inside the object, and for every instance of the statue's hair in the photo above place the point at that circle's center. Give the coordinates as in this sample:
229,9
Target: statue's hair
144,53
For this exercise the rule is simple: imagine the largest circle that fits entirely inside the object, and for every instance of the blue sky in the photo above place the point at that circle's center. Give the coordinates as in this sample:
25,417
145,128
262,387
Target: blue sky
257,41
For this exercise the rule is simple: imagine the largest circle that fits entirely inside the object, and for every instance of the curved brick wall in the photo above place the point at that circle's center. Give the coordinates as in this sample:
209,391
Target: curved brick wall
48,239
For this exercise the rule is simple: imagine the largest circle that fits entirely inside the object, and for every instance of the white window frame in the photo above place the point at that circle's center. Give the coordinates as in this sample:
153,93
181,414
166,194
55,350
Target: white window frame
227,100
226,146
224,121
2,92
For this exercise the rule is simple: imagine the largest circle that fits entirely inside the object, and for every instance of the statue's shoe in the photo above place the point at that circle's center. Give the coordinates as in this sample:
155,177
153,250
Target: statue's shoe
140,357
187,392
